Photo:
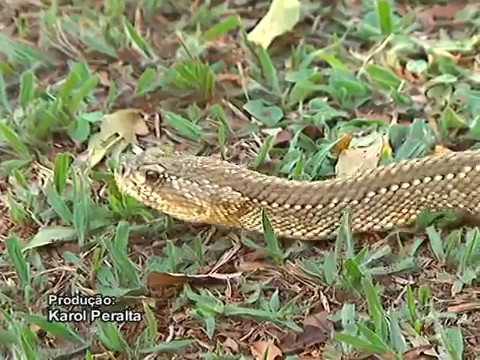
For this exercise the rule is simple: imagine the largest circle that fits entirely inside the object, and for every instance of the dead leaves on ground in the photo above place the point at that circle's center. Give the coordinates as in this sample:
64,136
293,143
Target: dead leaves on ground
266,350
423,352
317,329
157,280
433,14
282,16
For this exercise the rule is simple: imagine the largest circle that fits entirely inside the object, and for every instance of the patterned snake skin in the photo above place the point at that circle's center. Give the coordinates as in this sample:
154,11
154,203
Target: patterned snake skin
206,190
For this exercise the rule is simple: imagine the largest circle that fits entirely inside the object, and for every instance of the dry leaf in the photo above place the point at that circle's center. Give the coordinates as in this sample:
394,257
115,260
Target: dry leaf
119,128
430,15
282,16
226,257
317,329
252,266
465,307
419,353
231,344
360,158
127,123
157,280
265,350
284,137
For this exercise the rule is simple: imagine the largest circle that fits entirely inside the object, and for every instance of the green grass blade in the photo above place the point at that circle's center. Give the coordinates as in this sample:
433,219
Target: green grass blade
22,267
385,17
183,126
27,88
436,243
81,207
223,27
118,249
274,248
137,40
56,329
110,336
14,141
61,170
269,71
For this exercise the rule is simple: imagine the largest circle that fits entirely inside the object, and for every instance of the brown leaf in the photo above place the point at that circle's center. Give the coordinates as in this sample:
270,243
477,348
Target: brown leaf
448,11
430,15
317,329
231,344
313,132
252,266
284,137
157,280
265,350
464,307
226,257
129,56
419,353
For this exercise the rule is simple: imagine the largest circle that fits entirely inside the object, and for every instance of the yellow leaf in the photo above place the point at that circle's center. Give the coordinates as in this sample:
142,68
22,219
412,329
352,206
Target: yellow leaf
121,127
127,123
362,154
280,18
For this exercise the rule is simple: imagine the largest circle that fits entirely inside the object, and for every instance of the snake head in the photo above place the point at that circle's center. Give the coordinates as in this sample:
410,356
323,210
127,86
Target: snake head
178,185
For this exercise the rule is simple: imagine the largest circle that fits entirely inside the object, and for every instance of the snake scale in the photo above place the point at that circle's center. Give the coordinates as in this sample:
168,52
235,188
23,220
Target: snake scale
205,190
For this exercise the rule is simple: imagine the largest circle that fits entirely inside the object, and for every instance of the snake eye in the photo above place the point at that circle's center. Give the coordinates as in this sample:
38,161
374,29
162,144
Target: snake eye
152,175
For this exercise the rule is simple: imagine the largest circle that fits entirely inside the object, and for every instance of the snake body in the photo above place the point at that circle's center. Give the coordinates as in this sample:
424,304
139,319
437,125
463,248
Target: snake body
206,190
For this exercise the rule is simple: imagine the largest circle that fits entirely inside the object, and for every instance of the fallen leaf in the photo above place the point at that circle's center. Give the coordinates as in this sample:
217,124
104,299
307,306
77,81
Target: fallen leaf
265,350
419,353
317,329
358,157
226,257
156,280
252,266
119,128
231,344
313,132
464,307
431,14
283,137
280,18
127,123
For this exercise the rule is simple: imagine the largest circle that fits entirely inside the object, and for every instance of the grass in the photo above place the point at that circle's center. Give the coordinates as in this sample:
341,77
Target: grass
350,72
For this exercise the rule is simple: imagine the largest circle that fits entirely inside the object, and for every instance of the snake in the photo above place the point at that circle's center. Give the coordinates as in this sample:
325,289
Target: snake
204,189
